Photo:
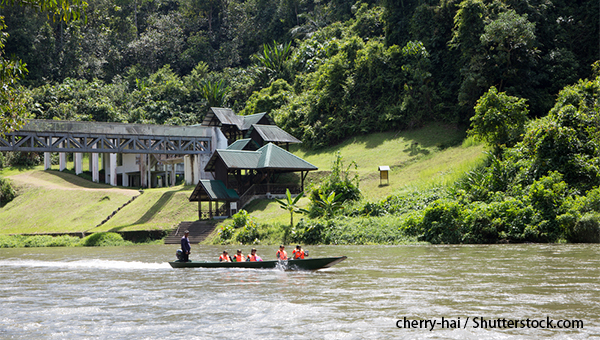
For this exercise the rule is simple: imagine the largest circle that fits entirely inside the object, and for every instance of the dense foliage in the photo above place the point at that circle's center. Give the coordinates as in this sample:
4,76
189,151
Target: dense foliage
326,70
543,189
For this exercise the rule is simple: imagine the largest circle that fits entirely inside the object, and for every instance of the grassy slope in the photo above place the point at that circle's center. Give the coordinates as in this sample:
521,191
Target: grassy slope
428,163
51,201
79,205
161,208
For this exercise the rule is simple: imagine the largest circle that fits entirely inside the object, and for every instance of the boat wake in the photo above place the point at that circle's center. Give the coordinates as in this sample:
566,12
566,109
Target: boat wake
94,263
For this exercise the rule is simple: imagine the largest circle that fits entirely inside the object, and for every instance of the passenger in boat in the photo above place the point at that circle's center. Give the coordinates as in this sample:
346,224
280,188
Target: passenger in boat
281,253
186,248
225,257
253,257
239,257
298,253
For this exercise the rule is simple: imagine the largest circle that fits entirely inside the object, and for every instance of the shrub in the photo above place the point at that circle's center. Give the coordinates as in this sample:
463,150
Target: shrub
104,240
587,230
19,241
248,234
312,232
7,193
241,219
339,181
225,233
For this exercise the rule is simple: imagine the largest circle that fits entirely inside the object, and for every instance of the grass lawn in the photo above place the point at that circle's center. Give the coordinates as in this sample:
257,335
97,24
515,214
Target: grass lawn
429,156
51,201
160,208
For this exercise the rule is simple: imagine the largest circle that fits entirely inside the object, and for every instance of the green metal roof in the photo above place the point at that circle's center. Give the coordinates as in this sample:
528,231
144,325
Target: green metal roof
213,190
254,119
273,133
228,117
274,157
243,144
269,156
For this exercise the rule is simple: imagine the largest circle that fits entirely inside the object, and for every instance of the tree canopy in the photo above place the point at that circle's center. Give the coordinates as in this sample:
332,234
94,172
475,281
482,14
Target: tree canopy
351,67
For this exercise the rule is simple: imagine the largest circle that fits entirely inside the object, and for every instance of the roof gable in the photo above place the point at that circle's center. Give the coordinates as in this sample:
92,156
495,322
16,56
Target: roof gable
269,156
273,133
274,157
213,190
243,144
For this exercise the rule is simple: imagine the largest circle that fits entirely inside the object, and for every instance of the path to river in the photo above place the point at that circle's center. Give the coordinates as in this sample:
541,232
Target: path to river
131,292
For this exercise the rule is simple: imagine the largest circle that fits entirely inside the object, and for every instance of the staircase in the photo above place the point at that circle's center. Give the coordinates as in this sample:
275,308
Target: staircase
198,232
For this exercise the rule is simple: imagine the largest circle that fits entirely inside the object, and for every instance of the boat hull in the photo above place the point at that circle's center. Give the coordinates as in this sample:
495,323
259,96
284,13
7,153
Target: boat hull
306,264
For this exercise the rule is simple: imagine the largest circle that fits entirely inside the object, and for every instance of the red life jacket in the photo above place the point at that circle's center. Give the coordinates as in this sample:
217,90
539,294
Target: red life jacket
238,258
298,254
224,258
252,258
282,255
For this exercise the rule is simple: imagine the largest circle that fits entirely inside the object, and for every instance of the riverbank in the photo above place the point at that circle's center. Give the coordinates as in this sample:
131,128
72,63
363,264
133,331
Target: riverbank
64,240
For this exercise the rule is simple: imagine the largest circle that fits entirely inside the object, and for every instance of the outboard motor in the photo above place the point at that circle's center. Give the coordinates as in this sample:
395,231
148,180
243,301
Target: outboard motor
179,254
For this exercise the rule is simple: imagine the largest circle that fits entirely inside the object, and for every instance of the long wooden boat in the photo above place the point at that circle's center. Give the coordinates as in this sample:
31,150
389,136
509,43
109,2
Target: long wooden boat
306,264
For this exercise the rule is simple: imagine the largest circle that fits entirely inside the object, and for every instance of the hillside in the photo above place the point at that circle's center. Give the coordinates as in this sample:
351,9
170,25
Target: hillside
52,201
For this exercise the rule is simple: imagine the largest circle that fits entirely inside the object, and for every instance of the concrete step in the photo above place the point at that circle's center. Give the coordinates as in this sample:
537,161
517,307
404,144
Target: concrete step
199,230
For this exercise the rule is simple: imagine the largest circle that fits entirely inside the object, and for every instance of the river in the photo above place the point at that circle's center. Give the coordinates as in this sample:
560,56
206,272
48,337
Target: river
131,292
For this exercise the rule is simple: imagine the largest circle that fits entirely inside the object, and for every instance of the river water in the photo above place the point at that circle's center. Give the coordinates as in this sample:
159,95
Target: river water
131,292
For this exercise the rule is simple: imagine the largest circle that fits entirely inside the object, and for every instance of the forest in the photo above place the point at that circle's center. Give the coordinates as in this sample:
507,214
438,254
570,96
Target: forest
378,65
514,72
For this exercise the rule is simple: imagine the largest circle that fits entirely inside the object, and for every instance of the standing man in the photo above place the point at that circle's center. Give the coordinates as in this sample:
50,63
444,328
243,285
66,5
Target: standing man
186,248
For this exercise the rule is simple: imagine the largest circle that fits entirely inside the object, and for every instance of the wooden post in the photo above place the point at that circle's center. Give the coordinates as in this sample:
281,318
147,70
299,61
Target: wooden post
199,209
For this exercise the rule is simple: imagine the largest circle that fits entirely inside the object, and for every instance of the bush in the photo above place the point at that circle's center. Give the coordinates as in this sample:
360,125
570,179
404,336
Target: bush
339,181
104,240
23,159
225,233
587,230
248,234
7,193
309,232
19,241
241,219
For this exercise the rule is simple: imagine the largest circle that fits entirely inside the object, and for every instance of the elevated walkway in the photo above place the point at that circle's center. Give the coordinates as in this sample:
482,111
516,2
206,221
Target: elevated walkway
199,230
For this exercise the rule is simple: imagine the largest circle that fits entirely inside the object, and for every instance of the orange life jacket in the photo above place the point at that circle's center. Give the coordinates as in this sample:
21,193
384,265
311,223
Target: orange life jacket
238,258
224,258
282,255
252,258
298,254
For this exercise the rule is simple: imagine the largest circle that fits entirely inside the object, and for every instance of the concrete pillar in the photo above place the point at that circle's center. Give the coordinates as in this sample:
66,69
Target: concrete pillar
62,161
142,170
47,161
94,167
149,169
196,169
173,175
125,180
106,167
113,169
77,159
188,169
